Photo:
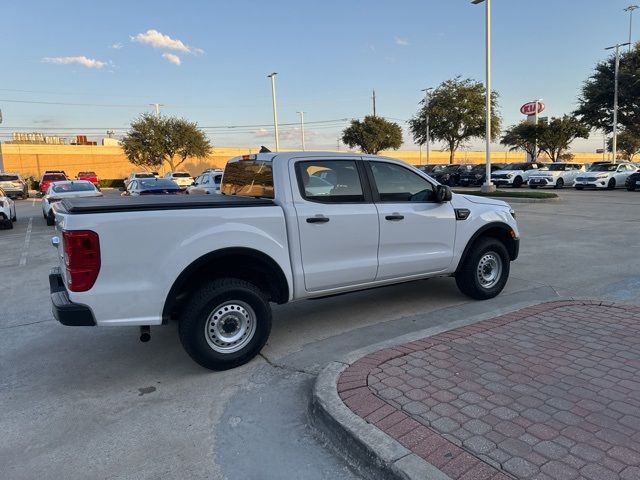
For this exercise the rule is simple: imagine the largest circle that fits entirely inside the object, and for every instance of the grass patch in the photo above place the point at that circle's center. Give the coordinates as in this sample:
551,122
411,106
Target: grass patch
509,194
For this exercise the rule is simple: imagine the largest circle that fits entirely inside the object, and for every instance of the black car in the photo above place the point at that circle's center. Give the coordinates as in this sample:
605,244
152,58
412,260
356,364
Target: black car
450,174
633,182
477,175
152,186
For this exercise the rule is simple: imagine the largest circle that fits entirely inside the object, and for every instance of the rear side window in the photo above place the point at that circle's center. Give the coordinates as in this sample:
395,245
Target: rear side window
249,179
329,181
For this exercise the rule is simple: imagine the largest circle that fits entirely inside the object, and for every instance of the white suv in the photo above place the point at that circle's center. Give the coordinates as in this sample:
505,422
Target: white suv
606,175
7,210
556,175
515,174
183,179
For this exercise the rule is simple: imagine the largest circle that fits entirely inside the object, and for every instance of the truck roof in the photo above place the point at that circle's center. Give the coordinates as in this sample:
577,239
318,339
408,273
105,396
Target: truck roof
281,156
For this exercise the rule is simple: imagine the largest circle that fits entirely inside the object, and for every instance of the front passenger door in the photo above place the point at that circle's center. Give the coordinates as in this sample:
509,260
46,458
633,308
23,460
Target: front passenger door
417,234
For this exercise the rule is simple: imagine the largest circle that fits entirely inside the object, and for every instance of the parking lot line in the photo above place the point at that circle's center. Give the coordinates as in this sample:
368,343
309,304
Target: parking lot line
27,241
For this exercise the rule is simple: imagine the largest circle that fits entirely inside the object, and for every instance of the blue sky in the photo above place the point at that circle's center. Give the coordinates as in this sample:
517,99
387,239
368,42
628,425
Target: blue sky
329,55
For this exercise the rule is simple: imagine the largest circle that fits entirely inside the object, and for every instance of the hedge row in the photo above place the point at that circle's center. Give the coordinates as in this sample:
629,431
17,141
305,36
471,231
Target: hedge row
111,183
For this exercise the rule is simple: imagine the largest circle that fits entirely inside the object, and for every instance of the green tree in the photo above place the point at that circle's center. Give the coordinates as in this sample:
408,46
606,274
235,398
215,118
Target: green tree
555,135
372,134
595,104
521,137
153,140
456,112
627,143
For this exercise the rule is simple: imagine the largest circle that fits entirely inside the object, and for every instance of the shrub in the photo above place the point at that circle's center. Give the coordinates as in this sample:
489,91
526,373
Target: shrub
111,183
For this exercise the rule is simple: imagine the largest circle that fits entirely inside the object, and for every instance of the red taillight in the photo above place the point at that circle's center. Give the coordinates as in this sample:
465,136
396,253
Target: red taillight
81,258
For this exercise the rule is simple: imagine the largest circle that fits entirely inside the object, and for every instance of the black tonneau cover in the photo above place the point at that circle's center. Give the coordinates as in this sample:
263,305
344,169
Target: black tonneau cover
159,202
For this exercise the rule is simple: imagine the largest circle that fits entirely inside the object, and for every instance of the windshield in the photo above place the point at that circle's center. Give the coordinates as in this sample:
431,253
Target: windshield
181,175
8,178
248,178
54,178
157,183
515,166
557,167
72,187
604,168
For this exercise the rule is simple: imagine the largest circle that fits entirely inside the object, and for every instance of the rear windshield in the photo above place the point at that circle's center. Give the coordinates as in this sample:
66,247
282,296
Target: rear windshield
72,187
181,175
144,175
8,178
87,174
158,183
54,177
248,178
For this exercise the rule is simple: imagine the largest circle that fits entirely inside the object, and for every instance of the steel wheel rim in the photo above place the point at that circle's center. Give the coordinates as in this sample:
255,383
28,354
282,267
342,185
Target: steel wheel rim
489,270
230,326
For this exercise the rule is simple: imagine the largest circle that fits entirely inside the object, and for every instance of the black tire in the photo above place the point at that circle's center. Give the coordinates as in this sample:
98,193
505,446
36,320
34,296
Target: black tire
467,277
451,182
559,184
204,303
8,224
579,188
15,217
612,184
631,187
517,182
51,219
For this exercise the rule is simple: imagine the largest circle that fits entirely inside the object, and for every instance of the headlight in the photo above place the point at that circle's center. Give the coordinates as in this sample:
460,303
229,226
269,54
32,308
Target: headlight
509,175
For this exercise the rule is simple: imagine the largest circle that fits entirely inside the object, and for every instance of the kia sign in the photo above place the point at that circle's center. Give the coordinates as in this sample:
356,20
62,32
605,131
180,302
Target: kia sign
530,108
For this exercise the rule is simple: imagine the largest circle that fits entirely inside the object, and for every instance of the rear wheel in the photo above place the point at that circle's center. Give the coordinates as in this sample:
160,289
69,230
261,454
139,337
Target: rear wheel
225,324
517,182
559,183
485,270
612,184
51,219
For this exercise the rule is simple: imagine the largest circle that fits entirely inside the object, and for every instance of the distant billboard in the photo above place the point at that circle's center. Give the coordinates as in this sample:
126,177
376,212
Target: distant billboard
530,108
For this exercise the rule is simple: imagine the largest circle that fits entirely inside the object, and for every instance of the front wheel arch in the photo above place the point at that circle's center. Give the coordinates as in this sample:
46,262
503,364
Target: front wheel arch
498,230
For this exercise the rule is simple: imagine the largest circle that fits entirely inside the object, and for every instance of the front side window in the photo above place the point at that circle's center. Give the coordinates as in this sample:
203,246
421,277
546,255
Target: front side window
329,181
398,184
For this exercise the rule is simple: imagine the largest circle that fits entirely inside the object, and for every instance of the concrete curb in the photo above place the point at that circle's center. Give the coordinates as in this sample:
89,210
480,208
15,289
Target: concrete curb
378,454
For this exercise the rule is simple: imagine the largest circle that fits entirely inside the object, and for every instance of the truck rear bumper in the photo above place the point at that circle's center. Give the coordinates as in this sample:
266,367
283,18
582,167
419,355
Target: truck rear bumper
64,310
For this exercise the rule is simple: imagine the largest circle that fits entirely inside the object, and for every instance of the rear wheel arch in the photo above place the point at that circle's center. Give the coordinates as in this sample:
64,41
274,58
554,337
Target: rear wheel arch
498,230
240,263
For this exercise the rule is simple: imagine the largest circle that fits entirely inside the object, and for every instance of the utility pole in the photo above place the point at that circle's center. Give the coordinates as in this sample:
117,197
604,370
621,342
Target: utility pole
374,102
157,107
630,9
535,122
275,108
426,109
488,185
615,99
302,128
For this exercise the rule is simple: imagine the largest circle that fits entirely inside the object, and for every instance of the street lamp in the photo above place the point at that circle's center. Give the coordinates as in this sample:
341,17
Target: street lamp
630,9
488,185
275,108
302,128
614,142
426,106
535,122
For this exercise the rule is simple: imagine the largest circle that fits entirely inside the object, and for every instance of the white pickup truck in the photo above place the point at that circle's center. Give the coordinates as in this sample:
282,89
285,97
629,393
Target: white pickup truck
288,226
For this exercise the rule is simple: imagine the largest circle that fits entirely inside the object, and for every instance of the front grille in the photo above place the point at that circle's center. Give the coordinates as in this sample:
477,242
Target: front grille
499,175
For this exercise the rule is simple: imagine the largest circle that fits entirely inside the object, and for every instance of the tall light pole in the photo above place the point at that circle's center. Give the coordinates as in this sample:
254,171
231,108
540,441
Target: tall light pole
614,142
630,9
302,128
157,107
272,76
426,107
535,122
488,185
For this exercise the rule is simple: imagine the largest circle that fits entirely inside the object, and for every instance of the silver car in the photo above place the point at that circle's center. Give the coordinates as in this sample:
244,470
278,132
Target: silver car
208,183
13,185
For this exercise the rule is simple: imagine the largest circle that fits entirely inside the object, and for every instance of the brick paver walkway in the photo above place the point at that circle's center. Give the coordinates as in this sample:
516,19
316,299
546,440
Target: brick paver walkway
548,392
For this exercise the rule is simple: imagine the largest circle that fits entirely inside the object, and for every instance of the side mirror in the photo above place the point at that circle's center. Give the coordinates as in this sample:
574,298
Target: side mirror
443,194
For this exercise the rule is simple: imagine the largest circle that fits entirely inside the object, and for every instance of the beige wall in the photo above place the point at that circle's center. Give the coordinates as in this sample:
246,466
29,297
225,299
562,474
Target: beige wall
110,162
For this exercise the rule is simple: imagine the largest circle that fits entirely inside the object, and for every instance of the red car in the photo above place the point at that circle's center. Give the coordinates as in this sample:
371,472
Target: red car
49,178
89,177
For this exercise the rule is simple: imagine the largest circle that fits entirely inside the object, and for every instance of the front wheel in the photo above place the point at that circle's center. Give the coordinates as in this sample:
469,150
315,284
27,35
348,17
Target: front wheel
517,182
485,271
225,324
559,183
612,184
51,219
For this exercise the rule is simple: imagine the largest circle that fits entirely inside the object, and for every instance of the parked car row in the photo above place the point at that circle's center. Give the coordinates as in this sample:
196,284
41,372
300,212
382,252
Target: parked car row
537,175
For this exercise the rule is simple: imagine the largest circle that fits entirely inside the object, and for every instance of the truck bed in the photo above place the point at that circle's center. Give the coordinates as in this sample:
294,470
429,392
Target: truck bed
79,206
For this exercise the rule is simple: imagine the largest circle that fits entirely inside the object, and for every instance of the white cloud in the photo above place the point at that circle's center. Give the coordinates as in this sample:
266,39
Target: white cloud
170,57
402,41
157,39
80,60
116,46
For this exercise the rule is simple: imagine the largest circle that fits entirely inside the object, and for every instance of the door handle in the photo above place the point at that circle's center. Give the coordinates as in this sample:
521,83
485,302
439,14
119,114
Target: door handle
394,217
317,220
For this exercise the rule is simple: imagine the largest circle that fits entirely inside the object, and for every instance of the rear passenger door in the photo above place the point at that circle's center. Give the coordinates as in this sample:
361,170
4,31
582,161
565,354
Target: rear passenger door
337,223
417,234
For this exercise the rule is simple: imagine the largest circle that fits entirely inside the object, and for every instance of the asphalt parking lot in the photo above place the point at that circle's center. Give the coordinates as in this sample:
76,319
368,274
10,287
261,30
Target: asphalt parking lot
96,403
